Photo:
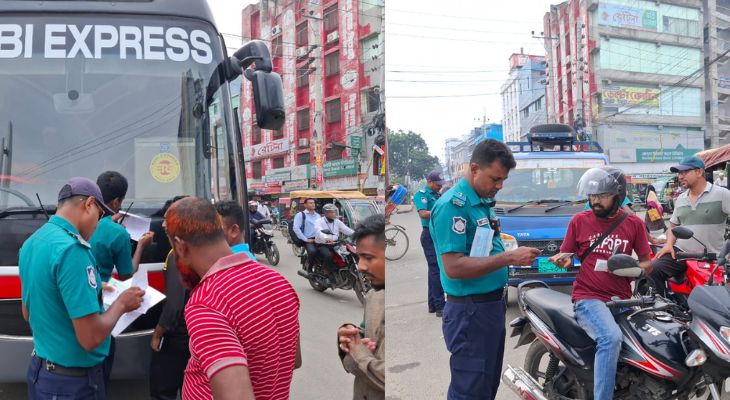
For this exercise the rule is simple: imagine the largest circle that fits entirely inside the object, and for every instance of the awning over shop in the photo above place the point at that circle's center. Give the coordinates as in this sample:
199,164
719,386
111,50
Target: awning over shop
713,157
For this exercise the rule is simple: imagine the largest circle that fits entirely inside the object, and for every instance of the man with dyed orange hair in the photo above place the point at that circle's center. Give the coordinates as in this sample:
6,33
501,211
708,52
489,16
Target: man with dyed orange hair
242,316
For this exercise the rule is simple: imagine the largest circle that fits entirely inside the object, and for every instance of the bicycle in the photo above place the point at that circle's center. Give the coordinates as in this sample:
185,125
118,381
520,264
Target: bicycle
396,238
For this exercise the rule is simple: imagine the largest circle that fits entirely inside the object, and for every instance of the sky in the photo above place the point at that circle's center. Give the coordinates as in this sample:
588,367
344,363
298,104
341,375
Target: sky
438,48
227,14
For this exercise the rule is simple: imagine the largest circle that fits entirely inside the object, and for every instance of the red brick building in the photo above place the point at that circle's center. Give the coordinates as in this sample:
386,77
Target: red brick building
330,57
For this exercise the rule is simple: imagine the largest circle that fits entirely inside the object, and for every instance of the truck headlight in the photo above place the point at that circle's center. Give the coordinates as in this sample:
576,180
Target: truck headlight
509,242
725,333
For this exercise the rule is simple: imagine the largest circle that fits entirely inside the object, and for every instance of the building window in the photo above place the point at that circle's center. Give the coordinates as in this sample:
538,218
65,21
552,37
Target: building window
279,162
277,47
303,119
256,169
373,100
278,134
302,78
256,135
303,159
302,34
526,112
538,104
682,27
332,63
330,19
332,108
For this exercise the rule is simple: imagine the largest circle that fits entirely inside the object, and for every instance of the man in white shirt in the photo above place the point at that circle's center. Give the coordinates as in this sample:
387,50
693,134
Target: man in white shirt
324,240
304,226
264,210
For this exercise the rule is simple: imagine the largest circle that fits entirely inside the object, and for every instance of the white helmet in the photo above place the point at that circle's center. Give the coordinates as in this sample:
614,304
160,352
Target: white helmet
329,207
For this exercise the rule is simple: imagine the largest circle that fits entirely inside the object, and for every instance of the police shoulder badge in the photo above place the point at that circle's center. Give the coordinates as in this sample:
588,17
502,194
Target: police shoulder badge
424,200
458,199
91,276
459,225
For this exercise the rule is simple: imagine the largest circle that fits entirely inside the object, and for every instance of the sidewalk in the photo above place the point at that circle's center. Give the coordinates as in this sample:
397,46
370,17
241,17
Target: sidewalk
404,208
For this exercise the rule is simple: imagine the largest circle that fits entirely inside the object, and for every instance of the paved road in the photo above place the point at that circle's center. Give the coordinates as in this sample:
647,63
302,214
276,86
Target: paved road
417,361
321,376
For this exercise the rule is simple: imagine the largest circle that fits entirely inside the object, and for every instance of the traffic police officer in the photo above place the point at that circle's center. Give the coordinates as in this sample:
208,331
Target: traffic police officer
424,200
473,265
61,298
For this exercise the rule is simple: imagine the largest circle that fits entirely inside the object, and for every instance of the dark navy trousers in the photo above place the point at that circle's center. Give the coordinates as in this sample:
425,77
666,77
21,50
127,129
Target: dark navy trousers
474,334
435,290
46,385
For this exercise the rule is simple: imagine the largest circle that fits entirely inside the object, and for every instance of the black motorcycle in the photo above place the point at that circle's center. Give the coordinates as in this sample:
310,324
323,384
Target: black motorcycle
662,356
264,243
347,276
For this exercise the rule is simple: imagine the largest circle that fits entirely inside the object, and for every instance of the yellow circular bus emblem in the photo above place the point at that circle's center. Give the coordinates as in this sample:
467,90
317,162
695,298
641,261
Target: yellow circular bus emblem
165,167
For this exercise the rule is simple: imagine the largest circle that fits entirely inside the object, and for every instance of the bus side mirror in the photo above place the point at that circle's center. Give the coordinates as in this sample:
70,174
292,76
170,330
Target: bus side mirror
268,98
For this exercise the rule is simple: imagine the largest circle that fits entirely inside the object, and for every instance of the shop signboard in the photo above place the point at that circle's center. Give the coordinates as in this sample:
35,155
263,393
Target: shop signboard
627,17
265,150
277,175
620,96
343,167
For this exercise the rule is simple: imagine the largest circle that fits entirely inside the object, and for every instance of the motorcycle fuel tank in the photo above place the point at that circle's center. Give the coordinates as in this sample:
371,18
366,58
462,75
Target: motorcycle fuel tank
654,346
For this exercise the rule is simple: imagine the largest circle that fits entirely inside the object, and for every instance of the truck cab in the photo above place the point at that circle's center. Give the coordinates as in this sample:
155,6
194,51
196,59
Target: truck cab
540,197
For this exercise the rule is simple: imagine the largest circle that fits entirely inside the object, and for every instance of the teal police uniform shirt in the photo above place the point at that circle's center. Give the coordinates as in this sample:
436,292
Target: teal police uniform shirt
111,247
454,221
60,283
243,248
425,199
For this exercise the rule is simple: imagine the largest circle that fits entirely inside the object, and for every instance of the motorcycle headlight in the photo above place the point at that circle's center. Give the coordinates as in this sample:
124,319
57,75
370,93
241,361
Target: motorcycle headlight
509,242
725,333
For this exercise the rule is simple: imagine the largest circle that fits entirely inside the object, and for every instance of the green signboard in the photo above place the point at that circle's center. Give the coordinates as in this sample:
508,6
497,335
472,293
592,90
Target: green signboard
663,155
344,167
356,141
277,175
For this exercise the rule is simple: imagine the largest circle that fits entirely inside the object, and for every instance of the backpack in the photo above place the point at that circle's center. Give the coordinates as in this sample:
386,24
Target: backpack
292,235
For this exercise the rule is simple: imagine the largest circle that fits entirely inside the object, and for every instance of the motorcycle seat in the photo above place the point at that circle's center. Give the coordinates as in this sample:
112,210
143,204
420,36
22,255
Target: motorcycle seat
678,279
555,309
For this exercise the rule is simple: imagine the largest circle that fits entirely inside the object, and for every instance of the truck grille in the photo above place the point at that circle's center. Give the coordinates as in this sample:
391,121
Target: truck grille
548,247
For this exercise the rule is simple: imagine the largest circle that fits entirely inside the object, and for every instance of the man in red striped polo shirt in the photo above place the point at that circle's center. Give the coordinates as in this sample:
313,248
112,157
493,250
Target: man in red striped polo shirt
242,316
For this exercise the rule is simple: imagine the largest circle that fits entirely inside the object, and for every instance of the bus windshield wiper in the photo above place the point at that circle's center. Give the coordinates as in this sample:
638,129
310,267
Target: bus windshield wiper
562,204
532,202
28,210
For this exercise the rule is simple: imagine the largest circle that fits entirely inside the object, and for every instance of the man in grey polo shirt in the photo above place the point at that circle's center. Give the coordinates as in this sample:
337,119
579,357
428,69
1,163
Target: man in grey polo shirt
704,209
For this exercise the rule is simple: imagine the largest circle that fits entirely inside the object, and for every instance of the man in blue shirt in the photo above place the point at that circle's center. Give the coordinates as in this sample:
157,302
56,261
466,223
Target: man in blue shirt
231,215
62,301
304,227
473,267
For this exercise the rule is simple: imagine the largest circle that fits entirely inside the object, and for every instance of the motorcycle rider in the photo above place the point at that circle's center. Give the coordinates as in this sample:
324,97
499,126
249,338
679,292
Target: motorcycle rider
703,208
325,241
254,218
605,188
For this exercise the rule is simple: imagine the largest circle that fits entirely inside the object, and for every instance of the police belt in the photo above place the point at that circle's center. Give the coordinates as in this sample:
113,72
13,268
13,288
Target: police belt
52,367
477,298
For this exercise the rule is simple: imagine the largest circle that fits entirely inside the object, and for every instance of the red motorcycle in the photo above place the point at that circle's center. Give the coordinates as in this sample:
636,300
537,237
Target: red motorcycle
700,268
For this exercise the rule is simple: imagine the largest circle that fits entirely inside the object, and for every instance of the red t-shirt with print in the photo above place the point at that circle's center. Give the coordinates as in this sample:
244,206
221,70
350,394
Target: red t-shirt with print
583,229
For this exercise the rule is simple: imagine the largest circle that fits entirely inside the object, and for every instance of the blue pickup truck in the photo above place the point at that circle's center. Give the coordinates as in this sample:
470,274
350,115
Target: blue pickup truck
540,197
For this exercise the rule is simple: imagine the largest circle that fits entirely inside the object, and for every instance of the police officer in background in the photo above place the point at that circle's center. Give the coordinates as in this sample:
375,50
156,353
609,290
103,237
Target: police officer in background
424,200
62,301
473,265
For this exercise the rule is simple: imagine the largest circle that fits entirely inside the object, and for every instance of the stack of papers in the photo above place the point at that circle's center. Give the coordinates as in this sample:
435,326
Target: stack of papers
136,225
151,297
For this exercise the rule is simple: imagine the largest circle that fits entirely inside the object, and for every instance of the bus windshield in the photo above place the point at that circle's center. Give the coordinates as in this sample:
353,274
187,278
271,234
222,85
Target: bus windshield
547,179
129,94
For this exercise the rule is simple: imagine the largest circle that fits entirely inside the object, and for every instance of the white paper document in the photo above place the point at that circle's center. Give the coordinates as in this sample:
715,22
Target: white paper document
601,266
136,225
151,297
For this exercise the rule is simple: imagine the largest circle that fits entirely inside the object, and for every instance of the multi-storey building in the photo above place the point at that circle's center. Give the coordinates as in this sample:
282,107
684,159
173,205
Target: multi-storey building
627,70
523,96
330,57
717,77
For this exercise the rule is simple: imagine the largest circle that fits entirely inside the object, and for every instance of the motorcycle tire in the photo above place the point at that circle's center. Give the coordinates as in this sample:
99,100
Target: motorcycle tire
360,290
316,285
272,254
533,360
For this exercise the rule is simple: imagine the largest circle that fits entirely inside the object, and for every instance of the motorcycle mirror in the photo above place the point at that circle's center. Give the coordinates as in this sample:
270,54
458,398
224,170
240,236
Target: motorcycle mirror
624,265
682,233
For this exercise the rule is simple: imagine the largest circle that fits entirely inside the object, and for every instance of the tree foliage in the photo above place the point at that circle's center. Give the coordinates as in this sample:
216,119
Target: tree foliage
409,155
